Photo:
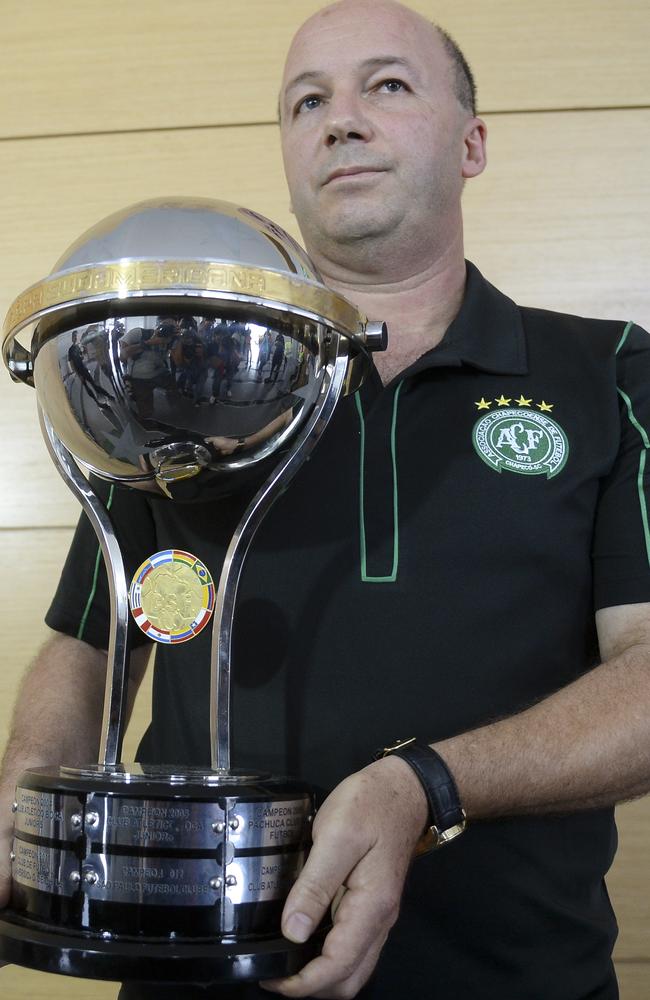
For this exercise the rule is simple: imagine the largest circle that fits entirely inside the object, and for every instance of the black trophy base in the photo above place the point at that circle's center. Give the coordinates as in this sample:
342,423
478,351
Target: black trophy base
156,875
23,942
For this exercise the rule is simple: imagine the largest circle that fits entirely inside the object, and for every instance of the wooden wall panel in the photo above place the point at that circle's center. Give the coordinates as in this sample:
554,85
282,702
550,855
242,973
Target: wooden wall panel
25,984
553,221
33,494
560,217
85,66
633,980
627,882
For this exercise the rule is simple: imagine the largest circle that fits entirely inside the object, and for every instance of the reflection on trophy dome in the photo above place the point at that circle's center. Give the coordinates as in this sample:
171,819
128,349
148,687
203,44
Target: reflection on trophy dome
230,386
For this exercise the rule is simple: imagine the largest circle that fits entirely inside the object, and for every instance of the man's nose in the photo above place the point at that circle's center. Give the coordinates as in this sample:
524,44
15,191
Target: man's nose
346,122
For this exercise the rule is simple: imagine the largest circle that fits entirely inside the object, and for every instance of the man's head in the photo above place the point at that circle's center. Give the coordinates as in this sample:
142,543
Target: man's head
378,131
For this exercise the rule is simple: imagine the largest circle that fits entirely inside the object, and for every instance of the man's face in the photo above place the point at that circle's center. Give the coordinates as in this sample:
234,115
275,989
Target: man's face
372,132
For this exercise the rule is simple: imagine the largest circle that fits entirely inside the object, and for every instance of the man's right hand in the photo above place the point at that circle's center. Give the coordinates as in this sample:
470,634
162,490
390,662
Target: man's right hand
5,870
6,839
7,793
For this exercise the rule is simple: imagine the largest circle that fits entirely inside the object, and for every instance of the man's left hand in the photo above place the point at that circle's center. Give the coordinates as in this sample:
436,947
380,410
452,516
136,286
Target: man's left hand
363,842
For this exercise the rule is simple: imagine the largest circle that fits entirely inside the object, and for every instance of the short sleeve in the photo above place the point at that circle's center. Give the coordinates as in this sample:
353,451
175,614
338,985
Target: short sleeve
81,604
621,550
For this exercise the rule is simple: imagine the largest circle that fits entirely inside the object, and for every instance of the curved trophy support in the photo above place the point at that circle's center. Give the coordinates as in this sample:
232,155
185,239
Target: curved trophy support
233,562
112,731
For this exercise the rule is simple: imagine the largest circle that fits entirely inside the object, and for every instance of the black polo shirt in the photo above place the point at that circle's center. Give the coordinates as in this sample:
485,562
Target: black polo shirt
435,565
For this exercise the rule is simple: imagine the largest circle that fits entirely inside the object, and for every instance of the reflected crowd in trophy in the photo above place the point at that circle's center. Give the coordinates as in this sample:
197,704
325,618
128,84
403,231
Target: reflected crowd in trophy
205,369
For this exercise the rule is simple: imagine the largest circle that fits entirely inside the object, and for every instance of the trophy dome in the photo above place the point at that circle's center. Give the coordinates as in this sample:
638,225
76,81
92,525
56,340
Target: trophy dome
189,229
179,342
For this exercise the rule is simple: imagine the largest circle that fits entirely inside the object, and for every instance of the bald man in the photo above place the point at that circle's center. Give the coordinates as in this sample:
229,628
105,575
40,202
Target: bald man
379,135
469,543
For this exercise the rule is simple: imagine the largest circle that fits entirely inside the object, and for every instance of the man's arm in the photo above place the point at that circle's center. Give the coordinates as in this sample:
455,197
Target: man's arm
56,719
587,745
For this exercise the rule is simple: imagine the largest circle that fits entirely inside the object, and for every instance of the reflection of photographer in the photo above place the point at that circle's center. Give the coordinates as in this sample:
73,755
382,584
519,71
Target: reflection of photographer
145,353
145,350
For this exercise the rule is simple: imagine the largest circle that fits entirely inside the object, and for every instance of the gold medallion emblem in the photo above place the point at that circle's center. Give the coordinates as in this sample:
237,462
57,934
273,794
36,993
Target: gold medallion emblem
172,596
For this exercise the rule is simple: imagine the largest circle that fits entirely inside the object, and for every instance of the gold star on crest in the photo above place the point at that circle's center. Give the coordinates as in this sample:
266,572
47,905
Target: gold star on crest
545,407
502,401
522,401
483,404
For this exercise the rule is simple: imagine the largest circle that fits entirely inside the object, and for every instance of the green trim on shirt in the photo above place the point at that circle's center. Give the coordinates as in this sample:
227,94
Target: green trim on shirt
362,518
642,458
625,333
93,586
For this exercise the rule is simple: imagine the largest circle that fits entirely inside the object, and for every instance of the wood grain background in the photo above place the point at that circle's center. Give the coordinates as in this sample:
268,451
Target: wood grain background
103,105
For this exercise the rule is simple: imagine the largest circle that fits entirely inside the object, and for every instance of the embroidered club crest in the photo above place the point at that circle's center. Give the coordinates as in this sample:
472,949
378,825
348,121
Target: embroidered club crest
527,442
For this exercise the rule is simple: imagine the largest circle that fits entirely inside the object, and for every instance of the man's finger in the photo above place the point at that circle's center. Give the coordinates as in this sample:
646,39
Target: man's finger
326,869
351,948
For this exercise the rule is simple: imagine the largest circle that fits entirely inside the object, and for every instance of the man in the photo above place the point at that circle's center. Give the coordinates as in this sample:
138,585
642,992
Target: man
145,352
468,511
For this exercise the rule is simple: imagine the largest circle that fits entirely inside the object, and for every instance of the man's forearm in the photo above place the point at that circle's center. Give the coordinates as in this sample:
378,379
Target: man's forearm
59,705
586,746
56,719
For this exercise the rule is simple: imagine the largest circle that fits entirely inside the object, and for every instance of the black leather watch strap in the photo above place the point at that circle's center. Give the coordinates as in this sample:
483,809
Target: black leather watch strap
446,815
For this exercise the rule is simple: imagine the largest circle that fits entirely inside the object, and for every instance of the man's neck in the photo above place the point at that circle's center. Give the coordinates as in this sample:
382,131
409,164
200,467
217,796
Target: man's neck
417,309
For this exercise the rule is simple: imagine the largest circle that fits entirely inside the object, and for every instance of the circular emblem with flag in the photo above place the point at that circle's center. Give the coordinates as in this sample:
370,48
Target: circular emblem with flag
172,596
527,442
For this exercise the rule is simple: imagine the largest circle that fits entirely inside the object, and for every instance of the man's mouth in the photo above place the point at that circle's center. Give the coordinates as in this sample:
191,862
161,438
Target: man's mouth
360,171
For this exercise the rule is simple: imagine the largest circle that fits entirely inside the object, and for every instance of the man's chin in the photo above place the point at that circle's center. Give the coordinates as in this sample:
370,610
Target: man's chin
355,227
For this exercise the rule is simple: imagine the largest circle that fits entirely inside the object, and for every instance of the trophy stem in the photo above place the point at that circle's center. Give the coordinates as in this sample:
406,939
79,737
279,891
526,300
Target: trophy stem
220,697
112,731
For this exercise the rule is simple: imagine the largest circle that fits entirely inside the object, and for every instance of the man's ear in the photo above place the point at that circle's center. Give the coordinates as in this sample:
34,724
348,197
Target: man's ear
475,148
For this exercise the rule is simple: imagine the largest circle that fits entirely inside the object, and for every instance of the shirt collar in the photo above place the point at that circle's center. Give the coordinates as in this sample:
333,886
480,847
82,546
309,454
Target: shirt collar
487,333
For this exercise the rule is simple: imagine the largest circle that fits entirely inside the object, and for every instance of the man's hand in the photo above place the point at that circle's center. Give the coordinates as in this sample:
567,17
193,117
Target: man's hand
363,841
6,837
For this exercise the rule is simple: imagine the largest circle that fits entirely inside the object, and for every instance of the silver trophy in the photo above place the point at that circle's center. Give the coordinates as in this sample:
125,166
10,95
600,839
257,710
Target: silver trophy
185,347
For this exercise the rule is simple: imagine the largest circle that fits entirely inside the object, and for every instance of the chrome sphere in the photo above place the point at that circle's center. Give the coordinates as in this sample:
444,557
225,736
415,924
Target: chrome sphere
181,339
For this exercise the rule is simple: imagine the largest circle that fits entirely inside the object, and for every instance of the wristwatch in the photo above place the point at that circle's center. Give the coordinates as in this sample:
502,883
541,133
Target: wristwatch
447,819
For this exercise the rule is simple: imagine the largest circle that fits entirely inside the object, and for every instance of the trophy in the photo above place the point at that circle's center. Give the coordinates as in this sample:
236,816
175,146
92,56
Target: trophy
185,347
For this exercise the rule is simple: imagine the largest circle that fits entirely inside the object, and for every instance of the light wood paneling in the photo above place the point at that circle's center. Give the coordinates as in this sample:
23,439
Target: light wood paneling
553,222
560,217
629,881
83,66
25,984
633,980
33,493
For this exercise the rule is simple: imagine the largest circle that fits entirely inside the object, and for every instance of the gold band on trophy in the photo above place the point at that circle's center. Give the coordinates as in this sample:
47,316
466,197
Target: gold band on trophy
154,277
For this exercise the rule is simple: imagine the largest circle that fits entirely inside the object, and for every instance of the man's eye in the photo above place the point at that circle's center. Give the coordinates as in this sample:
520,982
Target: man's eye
308,103
392,86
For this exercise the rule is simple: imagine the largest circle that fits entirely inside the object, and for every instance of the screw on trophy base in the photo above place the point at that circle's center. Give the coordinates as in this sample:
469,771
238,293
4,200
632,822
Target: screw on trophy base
149,366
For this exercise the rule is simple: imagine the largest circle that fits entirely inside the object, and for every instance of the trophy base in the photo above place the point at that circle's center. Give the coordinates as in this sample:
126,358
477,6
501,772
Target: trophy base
24,942
156,873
